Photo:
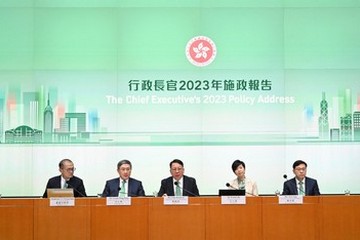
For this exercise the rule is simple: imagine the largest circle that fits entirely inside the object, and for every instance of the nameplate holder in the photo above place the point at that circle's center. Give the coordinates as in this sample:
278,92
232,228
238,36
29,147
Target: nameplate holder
62,202
176,200
291,199
118,201
228,200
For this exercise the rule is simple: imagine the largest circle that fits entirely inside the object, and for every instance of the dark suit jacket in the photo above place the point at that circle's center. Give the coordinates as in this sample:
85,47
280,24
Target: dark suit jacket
74,182
112,186
311,187
189,189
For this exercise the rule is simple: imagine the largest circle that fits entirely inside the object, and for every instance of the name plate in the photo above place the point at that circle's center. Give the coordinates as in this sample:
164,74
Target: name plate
118,201
233,200
176,200
291,199
62,202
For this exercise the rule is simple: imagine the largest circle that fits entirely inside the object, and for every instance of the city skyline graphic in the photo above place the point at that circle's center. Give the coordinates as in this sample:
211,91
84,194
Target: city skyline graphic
39,117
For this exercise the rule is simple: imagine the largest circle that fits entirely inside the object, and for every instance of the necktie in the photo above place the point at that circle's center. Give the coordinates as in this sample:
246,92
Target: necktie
66,185
122,190
301,188
178,190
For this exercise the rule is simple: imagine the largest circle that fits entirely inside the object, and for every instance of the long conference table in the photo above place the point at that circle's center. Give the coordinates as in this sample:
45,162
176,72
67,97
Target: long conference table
323,217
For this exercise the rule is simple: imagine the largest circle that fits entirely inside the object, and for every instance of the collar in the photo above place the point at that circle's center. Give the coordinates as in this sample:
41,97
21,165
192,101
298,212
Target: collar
180,180
297,181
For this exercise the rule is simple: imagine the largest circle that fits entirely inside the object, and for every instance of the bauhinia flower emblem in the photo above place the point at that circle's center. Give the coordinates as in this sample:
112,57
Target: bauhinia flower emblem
201,51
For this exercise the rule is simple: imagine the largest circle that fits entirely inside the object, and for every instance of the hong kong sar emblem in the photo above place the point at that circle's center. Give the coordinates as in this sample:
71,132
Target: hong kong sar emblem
200,51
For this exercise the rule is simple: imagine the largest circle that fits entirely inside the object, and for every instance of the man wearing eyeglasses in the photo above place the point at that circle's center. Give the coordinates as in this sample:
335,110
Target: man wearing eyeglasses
66,179
178,184
124,185
301,184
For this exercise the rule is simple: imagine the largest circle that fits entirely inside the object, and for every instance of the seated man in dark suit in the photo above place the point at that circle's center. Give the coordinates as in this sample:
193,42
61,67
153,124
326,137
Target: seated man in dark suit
66,179
300,184
123,186
178,184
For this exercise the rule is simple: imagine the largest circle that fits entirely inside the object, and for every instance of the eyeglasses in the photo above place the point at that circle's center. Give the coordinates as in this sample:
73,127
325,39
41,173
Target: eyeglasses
70,169
300,169
176,169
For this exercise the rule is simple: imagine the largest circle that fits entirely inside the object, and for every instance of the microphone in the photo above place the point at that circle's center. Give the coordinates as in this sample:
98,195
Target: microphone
119,189
71,186
285,176
193,194
230,186
126,193
108,194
